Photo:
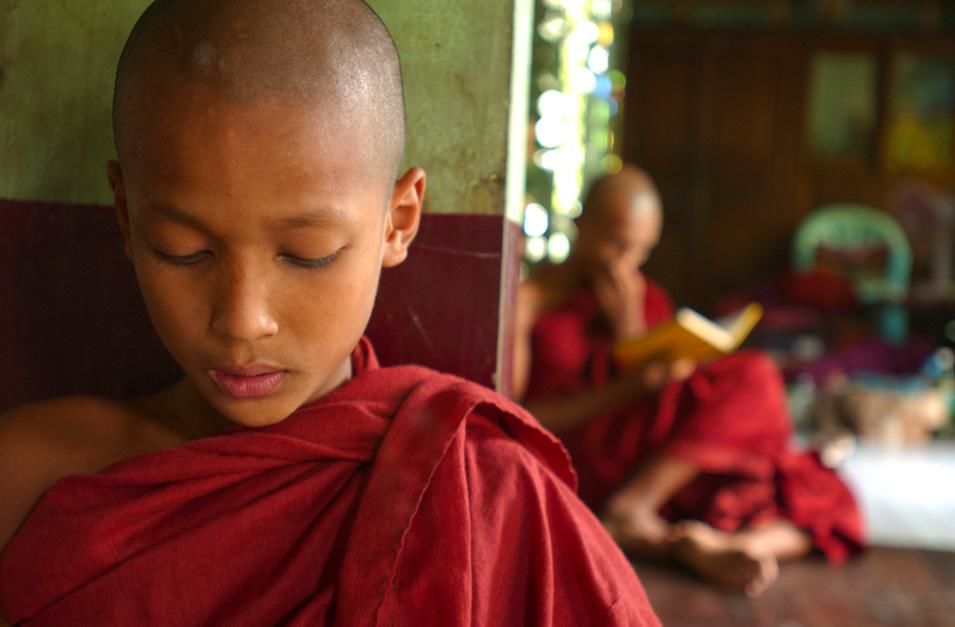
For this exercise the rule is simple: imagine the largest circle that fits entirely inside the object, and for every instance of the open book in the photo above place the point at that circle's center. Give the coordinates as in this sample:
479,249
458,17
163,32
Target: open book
689,335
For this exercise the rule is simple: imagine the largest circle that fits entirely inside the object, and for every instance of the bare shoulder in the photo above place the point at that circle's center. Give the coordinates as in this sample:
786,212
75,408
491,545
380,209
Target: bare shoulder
60,420
43,442
75,432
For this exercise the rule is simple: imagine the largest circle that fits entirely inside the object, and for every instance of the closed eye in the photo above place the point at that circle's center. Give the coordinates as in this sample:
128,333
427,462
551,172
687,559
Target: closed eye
312,264
182,260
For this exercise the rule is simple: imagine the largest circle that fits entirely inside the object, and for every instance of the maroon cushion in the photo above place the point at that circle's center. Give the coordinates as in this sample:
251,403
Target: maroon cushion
73,320
824,291
854,264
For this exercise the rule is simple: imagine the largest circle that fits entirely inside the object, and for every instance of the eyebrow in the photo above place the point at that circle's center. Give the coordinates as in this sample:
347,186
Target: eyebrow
322,216
177,215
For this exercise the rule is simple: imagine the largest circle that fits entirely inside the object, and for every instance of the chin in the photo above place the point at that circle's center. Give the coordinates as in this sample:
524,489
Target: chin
256,413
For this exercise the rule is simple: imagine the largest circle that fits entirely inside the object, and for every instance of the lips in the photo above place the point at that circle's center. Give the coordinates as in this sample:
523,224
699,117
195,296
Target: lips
252,381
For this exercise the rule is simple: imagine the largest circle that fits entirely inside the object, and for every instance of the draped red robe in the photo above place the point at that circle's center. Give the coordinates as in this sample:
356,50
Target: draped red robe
405,497
729,419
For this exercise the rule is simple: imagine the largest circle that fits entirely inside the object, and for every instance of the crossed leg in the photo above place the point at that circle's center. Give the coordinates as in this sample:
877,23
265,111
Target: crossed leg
746,561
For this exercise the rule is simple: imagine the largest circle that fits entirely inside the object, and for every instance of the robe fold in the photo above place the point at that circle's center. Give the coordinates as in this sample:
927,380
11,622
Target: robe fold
729,419
405,497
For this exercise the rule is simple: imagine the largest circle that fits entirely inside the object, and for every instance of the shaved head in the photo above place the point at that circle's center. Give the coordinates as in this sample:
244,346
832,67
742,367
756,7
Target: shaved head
621,222
334,55
630,189
256,191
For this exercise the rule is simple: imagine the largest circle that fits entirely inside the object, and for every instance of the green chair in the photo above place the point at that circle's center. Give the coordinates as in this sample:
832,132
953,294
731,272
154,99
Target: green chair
848,229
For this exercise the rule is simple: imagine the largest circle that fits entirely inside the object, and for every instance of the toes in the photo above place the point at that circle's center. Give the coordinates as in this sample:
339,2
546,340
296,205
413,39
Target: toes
767,574
703,550
754,589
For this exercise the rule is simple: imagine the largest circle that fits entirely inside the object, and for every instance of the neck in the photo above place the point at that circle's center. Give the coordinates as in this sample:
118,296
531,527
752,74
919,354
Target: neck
194,417
341,376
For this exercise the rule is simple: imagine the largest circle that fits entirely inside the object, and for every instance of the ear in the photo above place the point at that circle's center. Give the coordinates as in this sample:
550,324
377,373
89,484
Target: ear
404,216
116,183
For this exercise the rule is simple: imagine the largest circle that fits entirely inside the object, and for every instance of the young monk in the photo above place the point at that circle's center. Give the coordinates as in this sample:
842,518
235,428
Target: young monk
287,479
685,464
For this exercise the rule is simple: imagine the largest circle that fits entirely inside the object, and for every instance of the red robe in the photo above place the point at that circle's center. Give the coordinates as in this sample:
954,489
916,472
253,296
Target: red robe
729,419
405,497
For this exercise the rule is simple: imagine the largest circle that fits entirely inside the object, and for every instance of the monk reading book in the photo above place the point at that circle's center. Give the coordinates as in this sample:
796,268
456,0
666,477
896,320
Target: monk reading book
688,335
684,463
287,479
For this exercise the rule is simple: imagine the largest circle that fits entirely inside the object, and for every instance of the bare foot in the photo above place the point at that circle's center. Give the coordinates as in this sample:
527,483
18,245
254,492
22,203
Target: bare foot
718,558
637,529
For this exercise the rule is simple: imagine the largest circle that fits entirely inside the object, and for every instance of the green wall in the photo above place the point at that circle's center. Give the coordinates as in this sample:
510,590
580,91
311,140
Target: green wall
456,56
57,59
56,63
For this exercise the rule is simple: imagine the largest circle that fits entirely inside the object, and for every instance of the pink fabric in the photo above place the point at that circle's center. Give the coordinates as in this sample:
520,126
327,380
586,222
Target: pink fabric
729,419
405,497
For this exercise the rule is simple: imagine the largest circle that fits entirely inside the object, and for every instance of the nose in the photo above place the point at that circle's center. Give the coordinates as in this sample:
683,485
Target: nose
242,310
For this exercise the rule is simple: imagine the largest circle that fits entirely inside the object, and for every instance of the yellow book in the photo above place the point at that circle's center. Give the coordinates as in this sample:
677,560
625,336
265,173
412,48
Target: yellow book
689,335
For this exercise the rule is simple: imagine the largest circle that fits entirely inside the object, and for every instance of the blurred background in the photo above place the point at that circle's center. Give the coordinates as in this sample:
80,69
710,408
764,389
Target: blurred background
805,156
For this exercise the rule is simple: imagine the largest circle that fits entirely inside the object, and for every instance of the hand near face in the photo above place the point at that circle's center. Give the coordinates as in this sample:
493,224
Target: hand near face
620,290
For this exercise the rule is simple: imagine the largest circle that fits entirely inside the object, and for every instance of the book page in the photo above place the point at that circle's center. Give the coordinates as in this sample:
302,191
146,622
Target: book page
739,324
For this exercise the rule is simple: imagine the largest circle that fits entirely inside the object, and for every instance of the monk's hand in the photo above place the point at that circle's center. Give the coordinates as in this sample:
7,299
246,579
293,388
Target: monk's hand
682,369
620,290
655,375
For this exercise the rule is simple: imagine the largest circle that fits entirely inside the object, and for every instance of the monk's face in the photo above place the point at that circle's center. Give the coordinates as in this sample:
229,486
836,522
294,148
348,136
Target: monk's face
258,233
622,234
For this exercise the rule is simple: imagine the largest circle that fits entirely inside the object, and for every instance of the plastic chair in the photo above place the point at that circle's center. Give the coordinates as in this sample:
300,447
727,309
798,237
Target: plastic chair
850,228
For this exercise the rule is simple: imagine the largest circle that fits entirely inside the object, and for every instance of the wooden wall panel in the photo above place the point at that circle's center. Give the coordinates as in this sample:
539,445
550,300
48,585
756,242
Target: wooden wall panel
719,119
